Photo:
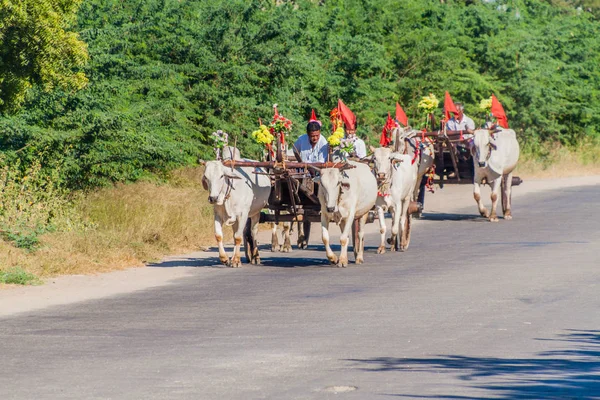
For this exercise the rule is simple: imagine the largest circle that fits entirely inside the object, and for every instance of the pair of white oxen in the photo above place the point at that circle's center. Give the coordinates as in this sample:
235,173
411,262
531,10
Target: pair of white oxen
348,194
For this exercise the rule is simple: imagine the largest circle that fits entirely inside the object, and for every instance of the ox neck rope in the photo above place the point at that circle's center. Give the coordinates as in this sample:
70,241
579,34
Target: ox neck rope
228,186
417,151
490,149
383,187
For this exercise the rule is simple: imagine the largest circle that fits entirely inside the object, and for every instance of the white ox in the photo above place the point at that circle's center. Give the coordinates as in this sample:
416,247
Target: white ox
382,159
495,156
346,195
398,174
236,194
426,153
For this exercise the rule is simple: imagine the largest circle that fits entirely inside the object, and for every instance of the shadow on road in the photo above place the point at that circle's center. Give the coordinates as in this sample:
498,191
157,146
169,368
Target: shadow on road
573,373
313,256
207,262
452,217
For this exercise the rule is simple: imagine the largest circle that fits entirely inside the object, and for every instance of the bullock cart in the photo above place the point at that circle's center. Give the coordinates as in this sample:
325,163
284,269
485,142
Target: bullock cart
453,159
293,195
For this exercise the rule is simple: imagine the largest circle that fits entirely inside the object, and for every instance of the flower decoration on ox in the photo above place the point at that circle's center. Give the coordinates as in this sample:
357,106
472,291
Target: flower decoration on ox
220,139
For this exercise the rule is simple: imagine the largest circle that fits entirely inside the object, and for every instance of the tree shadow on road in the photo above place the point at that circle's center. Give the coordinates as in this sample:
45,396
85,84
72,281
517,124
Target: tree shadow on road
573,373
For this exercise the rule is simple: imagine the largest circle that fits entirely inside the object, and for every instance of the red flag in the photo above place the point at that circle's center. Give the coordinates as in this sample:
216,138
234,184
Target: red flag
313,118
386,134
347,116
401,115
498,112
449,106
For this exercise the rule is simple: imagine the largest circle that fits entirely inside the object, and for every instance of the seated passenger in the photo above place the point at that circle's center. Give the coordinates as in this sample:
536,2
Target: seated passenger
312,146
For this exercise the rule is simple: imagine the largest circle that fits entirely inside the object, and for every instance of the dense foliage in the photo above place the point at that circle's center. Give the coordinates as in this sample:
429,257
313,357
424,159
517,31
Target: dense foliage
164,74
37,47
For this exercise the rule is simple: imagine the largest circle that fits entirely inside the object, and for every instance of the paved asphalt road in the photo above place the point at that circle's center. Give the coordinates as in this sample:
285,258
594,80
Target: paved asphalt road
472,310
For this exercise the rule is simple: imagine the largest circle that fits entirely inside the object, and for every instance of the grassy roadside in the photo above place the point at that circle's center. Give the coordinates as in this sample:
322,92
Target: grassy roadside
125,226
555,161
129,225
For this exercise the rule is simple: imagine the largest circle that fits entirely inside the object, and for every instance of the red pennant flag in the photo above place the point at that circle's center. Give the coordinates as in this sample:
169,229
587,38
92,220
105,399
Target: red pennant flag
347,116
498,112
401,115
449,106
386,134
313,118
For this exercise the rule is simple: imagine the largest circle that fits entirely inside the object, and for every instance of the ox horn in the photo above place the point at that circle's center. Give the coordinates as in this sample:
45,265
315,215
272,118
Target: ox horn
201,161
230,176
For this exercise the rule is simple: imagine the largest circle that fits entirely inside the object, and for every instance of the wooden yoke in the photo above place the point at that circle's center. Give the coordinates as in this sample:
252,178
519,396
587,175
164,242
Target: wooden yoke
288,165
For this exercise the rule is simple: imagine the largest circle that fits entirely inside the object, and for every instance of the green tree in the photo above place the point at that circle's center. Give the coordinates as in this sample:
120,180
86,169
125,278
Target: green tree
37,47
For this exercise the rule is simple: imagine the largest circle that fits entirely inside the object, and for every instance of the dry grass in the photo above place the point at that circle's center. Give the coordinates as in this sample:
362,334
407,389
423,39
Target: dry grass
555,161
130,225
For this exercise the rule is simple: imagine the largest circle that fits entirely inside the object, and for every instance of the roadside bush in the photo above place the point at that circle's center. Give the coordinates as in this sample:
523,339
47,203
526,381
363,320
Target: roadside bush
32,202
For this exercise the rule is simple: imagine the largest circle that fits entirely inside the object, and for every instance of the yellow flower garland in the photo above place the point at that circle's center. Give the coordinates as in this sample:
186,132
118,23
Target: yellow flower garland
486,105
428,103
336,137
263,135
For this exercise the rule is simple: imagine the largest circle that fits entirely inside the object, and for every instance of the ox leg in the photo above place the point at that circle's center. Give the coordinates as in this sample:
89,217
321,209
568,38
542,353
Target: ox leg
405,226
300,234
477,196
494,196
255,257
506,190
345,228
325,235
395,239
219,236
382,230
274,239
359,258
419,194
303,234
238,233
287,244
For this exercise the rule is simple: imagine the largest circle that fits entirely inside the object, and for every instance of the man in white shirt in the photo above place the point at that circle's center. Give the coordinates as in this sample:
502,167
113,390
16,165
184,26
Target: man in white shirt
313,146
360,148
460,122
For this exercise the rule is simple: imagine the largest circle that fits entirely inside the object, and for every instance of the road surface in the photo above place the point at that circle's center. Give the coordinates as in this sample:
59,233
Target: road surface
473,310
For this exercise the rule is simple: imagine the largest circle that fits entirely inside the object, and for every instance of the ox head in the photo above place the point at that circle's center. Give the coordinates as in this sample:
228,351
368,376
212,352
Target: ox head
382,168
217,180
333,182
483,144
230,153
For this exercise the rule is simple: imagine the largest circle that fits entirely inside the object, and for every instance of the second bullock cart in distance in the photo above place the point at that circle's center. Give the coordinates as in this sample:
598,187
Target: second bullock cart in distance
453,158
